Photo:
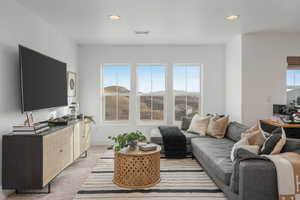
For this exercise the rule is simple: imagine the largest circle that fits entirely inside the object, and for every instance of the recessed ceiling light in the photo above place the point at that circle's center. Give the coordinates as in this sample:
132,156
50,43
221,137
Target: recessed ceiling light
114,17
232,17
141,32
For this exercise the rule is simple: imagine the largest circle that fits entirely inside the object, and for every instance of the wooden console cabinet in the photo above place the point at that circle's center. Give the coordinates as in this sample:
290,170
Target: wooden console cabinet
32,161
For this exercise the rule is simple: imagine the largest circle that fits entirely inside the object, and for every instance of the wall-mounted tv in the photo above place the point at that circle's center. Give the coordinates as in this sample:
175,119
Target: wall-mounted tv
43,81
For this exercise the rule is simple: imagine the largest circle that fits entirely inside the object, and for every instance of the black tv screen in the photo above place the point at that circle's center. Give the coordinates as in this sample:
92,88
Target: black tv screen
43,81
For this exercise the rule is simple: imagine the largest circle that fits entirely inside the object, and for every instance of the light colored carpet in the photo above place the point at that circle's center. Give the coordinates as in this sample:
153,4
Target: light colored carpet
180,179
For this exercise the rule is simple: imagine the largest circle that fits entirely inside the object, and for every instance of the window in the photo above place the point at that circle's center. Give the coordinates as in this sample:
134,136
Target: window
151,92
293,78
116,92
186,89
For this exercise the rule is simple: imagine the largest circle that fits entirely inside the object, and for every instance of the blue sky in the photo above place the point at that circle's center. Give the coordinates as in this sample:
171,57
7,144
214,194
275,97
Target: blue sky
184,78
293,77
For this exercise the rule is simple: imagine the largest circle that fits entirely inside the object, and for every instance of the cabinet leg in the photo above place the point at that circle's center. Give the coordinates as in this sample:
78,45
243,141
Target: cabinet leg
84,155
31,192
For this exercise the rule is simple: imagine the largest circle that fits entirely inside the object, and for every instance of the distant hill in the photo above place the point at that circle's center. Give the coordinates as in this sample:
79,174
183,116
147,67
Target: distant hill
145,106
114,89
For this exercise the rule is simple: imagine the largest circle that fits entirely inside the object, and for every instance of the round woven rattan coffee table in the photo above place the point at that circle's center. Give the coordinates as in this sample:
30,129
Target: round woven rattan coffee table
137,169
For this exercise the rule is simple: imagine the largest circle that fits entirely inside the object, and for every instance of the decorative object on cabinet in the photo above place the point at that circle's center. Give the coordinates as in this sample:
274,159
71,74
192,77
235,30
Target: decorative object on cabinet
72,82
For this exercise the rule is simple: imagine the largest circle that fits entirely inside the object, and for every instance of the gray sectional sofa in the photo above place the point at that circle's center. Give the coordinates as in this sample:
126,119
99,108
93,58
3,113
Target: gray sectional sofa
257,178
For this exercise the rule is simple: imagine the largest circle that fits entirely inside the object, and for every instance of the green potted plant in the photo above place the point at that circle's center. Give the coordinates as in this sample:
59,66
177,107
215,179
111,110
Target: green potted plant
86,117
127,139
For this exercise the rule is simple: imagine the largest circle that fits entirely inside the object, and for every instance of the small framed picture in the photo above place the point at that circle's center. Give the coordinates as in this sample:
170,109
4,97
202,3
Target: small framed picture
72,82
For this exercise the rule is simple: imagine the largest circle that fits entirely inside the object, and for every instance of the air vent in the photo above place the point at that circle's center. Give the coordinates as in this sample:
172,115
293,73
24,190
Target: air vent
141,32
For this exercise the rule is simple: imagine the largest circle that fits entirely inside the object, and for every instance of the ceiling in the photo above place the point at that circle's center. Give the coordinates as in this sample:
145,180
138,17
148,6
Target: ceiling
169,21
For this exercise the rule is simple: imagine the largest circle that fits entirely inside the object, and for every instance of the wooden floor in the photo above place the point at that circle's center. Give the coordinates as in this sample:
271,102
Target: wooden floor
66,184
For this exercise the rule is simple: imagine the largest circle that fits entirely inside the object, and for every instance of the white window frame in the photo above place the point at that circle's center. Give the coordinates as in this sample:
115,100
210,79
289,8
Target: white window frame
198,94
165,96
103,95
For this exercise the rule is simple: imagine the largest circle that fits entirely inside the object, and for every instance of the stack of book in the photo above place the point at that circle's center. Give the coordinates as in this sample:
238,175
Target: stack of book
148,147
30,130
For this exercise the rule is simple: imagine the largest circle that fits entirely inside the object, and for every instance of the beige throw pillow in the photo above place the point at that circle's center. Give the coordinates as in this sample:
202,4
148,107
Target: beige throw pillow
255,135
199,124
217,126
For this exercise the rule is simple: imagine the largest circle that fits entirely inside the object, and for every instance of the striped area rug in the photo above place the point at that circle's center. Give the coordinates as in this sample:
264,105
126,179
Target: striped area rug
180,179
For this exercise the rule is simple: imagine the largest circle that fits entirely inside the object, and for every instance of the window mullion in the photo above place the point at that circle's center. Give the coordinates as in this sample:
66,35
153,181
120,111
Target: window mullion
151,87
117,101
186,68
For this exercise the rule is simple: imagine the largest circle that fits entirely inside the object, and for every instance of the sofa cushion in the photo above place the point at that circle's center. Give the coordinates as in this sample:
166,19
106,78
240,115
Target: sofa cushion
291,145
234,130
156,137
216,155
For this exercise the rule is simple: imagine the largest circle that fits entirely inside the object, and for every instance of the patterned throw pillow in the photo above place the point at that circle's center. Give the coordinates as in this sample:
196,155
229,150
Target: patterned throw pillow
217,126
199,124
273,144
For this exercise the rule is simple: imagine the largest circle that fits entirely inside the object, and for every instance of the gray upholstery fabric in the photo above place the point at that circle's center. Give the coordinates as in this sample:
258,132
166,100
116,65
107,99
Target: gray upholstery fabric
291,145
241,155
234,131
216,154
210,171
156,137
258,180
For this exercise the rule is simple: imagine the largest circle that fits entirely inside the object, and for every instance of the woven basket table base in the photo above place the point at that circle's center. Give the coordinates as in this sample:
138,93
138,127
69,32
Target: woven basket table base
137,171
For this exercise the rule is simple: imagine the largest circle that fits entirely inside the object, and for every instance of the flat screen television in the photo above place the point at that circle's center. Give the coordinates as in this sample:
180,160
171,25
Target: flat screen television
43,81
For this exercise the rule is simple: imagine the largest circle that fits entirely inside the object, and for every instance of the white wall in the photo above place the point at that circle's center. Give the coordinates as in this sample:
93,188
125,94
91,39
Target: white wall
19,26
233,79
264,72
92,56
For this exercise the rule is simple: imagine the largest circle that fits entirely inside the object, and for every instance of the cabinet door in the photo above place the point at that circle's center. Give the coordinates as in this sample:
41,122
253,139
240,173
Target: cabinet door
76,141
66,147
50,157
88,134
82,137
57,152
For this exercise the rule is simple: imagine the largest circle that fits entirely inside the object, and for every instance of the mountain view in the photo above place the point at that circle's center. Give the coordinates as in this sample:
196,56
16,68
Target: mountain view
151,107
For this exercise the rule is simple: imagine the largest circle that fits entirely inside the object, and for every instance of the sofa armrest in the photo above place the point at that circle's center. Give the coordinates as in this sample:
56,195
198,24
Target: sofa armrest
257,180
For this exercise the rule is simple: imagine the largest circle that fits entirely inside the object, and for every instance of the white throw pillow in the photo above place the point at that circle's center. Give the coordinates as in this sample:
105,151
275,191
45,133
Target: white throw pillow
199,124
241,142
